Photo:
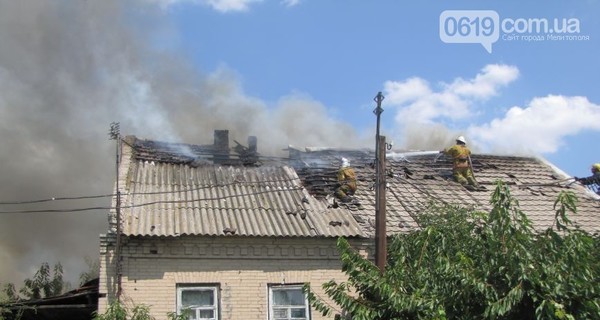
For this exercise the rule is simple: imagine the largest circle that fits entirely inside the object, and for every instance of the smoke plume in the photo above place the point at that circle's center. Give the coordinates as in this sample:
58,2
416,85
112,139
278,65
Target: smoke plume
70,68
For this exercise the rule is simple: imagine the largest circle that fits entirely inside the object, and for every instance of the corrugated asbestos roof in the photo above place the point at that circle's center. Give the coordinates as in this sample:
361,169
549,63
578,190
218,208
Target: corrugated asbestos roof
415,179
164,196
165,199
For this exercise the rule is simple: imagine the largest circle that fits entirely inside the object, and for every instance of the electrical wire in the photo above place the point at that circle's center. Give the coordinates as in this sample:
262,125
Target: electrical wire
262,183
152,202
55,199
313,180
56,210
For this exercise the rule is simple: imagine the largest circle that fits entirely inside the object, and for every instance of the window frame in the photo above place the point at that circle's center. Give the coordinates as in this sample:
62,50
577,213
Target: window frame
277,287
214,288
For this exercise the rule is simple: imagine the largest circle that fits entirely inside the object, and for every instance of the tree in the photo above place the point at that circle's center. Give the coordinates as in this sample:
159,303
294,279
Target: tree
92,272
463,264
44,283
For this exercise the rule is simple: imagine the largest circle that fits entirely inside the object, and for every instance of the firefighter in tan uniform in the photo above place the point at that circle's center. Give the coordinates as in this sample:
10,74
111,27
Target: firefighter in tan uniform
347,180
461,168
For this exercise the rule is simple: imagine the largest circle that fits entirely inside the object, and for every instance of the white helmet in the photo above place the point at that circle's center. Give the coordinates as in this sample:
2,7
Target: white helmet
461,139
345,163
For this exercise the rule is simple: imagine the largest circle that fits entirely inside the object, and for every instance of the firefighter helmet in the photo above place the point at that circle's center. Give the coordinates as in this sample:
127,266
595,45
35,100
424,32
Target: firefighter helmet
345,163
461,139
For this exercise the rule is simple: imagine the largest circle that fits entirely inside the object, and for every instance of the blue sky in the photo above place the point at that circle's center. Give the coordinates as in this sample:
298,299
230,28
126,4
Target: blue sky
342,53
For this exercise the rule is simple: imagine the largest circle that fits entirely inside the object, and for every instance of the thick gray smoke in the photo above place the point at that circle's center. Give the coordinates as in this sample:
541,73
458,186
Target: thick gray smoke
428,137
70,68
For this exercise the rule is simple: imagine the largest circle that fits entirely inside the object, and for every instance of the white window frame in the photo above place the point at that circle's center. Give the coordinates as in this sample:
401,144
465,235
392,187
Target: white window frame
287,287
212,288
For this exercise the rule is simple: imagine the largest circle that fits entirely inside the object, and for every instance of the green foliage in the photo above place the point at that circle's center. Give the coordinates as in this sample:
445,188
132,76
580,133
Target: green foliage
464,264
118,311
10,297
92,272
184,315
10,292
115,311
44,283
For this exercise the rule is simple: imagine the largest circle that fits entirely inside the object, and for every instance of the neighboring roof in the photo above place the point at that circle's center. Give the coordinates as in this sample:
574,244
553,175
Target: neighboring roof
78,304
167,194
415,178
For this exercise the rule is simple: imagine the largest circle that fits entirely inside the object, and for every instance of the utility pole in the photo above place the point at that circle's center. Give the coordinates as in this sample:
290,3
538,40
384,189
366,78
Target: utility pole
380,232
115,134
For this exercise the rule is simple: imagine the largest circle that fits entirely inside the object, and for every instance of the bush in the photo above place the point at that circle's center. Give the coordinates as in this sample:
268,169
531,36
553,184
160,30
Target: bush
463,264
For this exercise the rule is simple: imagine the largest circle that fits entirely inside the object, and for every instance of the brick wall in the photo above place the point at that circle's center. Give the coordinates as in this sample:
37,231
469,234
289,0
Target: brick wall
242,267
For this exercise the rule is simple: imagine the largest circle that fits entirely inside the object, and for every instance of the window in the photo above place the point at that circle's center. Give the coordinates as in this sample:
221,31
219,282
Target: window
202,301
288,302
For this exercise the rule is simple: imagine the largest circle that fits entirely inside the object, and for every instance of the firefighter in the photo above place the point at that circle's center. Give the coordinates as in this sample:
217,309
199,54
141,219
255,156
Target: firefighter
596,169
461,167
594,179
347,182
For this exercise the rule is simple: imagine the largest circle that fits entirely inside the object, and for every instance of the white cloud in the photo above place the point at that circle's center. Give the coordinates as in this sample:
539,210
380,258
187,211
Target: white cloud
485,84
417,102
290,3
539,127
409,90
230,5
219,5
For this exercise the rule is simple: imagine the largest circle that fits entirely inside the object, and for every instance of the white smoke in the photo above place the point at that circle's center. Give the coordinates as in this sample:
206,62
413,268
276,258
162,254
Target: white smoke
70,68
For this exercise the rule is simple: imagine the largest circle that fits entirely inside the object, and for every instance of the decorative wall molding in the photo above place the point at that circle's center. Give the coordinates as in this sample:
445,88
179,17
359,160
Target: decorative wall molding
234,248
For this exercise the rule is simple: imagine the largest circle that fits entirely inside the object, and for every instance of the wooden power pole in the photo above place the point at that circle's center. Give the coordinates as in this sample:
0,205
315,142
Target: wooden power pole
115,134
380,230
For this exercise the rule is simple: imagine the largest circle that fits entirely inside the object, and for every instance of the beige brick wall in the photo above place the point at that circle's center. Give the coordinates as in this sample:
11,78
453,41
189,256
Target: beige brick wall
243,268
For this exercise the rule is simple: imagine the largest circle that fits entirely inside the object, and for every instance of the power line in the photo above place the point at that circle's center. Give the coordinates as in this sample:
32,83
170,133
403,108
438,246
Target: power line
311,180
56,210
152,202
55,199
260,183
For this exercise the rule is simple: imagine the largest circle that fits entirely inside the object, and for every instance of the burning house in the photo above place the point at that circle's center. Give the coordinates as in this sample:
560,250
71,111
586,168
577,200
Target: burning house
231,234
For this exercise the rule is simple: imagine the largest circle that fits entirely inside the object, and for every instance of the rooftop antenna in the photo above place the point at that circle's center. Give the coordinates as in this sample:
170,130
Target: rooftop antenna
380,232
115,134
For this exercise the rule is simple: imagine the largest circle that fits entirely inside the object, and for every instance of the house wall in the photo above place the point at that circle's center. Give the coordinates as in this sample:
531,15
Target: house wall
243,268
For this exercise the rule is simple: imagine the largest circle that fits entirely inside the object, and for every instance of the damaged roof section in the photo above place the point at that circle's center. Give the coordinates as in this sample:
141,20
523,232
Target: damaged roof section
197,155
169,194
209,190
414,179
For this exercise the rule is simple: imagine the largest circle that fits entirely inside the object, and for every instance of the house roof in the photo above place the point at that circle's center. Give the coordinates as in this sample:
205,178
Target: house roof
167,192
415,178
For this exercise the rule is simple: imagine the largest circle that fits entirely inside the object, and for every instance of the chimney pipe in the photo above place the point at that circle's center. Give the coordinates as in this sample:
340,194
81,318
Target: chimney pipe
252,144
221,146
251,156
